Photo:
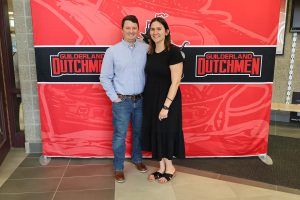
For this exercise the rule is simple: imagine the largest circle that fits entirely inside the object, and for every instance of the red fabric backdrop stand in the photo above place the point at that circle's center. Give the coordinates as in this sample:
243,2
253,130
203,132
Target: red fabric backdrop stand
226,109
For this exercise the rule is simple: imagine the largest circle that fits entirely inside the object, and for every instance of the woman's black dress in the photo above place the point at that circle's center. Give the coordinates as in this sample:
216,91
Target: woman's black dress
163,138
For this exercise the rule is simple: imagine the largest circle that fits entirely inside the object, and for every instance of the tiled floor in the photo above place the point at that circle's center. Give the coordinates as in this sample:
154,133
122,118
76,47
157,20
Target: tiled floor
192,184
63,178
11,162
91,179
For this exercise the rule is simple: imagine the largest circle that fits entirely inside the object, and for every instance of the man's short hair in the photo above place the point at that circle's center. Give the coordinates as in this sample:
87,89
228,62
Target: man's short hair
131,18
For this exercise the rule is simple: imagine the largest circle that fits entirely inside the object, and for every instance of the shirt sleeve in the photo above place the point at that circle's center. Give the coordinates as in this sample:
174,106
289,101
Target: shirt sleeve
107,75
175,56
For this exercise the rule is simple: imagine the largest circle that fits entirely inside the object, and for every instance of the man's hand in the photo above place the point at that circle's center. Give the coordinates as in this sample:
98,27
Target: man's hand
118,100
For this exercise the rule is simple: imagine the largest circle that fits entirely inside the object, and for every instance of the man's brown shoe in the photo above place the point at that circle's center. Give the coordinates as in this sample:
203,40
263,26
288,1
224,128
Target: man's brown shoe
119,176
141,167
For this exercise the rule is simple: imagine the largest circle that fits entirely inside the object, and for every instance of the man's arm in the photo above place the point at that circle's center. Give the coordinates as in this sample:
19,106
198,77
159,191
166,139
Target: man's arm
107,74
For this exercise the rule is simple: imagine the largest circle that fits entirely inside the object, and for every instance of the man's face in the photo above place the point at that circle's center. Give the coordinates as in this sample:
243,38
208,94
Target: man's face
130,31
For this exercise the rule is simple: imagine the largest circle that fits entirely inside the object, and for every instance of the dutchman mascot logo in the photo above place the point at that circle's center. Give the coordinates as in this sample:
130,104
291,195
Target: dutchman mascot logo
76,63
228,63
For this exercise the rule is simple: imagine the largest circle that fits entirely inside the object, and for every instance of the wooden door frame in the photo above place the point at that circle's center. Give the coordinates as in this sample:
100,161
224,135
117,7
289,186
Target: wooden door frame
14,139
17,137
4,148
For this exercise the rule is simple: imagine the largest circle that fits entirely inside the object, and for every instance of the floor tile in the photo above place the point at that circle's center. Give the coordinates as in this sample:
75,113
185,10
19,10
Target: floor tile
92,178
34,155
91,161
30,185
85,195
289,134
27,196
13,158
198,172
4,174
271,197
11,162
89,170
288,190
38,172
190,187
247,182
250,192
137,186
34,162
17,152
198,187
86,183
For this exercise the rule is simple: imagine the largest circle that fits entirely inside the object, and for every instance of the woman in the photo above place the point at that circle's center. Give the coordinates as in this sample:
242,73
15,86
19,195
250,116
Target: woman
162,121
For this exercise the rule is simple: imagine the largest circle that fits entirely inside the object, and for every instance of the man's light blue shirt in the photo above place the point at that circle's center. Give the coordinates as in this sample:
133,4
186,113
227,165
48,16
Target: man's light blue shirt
123,69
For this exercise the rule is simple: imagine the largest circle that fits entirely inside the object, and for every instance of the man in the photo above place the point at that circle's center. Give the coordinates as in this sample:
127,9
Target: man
123,79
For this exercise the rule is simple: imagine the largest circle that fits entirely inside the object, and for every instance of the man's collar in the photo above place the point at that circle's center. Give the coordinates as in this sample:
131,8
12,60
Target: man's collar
129,44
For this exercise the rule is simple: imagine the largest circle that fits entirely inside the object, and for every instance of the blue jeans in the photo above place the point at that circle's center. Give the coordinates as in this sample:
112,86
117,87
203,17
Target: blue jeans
123,112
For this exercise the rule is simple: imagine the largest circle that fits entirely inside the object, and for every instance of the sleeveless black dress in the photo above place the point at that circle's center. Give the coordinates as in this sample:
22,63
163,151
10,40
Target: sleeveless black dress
163,138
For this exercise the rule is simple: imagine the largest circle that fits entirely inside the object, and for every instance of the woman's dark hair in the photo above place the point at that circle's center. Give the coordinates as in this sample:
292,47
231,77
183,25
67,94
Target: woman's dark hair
131,18
167,38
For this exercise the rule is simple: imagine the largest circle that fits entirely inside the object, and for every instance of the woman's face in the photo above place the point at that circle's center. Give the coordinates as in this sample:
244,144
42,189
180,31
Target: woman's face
158,32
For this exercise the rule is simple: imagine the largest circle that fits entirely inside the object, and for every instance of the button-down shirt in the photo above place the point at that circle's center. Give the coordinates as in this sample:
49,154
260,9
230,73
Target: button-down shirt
123,69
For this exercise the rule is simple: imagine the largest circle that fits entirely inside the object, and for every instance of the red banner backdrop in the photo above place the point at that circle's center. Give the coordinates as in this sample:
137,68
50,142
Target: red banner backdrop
228,72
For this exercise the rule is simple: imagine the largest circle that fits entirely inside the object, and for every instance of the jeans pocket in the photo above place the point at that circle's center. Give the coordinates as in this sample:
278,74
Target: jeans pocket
118,103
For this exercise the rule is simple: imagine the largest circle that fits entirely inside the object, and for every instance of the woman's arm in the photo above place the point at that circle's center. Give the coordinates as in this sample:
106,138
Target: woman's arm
176,74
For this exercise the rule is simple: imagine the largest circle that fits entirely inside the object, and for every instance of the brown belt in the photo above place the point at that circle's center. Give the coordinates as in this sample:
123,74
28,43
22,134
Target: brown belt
131,97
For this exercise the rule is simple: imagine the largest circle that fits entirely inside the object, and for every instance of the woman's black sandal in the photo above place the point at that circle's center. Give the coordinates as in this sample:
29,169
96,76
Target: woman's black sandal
167,176
156,175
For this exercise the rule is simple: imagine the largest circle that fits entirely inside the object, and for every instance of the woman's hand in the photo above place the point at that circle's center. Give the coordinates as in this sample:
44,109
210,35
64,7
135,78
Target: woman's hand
163,114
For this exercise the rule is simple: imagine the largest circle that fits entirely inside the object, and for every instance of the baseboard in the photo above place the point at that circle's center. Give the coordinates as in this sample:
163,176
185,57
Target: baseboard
33,147
280,116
